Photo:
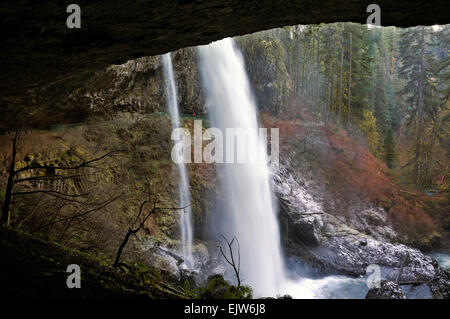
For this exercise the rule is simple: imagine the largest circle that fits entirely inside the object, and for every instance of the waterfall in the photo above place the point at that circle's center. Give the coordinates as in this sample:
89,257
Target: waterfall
183,186
250,213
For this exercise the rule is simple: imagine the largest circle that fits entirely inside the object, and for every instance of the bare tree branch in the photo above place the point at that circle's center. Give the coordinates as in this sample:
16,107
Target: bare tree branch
10,184
78,215
59,195
84,164
49,192
46,177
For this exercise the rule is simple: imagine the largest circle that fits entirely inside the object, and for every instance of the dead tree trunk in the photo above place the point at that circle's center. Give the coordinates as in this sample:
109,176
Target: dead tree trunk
317,89
350,80
122,246
9,187
340,78
134,231
418,152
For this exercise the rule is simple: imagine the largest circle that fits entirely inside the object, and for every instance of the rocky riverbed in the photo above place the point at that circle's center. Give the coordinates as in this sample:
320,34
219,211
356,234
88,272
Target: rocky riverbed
335,245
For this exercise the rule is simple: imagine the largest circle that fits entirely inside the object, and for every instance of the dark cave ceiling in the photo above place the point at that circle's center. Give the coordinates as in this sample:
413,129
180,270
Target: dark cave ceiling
38,48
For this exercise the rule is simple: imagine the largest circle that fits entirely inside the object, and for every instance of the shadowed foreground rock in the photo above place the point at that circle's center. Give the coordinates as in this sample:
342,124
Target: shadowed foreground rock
387,290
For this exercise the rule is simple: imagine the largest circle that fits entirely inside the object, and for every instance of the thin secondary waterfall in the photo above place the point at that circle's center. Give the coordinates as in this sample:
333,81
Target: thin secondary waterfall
183,186
250,211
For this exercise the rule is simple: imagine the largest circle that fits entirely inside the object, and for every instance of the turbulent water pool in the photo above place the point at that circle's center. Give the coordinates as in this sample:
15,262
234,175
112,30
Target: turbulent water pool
305,283
442,259
329,287
343,287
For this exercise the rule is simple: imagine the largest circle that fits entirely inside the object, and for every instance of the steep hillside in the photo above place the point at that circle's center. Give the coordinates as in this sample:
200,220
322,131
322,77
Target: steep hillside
348,178
33,268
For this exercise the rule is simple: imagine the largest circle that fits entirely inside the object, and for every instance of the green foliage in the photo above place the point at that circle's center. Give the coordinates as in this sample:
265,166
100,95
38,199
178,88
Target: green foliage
145,275
368,125
188,291
218,288
424,69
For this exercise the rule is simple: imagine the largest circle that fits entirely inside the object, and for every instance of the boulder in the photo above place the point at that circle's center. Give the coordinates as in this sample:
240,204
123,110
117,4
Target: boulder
300,214
306,230
440,284
387,290
351,253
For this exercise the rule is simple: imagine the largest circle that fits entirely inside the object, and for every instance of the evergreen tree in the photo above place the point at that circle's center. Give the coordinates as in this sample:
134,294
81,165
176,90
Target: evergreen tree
389,148
415,70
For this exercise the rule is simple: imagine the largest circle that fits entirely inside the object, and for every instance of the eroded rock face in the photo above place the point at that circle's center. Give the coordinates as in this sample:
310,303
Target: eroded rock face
138,86
168,262
387,290
42,59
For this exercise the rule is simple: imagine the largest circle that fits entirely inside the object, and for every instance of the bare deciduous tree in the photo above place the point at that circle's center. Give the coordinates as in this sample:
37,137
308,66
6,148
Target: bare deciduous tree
139,222
230,260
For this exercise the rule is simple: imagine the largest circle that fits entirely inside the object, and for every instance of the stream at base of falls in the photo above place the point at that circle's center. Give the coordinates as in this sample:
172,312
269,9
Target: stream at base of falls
443,259
329,287
306,283
313,286
343,287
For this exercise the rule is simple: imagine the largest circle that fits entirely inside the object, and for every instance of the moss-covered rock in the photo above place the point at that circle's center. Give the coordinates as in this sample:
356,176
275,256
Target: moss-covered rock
218,288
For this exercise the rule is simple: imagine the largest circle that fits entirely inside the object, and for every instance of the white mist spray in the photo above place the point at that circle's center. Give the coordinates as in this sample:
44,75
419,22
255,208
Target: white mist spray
250,211
183,188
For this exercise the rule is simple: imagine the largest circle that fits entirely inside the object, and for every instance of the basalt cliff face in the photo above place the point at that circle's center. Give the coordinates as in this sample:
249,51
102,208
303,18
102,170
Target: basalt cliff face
137,86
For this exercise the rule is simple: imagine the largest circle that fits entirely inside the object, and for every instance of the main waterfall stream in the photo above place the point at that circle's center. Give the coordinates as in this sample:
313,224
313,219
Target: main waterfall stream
250,213
183,186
